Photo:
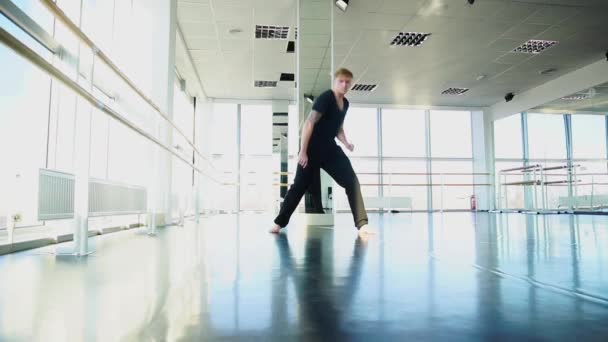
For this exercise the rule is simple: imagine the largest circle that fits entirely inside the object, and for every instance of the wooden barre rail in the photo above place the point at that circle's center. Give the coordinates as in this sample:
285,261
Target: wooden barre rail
579,184
522,183
27,53
538,182
523,168
61,16
578,174
536,167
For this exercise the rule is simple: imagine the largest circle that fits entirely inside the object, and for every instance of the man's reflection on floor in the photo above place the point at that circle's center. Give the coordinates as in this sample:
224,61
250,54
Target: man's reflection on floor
322,303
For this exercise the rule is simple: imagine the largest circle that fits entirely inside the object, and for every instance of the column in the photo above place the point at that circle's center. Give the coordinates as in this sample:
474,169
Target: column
314,56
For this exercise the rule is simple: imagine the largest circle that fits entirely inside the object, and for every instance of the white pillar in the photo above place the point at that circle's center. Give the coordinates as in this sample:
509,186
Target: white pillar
314,19
207,188
280,118
483,158
165,14
82,163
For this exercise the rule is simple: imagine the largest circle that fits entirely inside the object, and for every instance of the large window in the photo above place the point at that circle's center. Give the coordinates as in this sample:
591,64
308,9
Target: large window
361,128
451,134
257,190
508,144
404,136
64,105
257,164
183,114
508,138
589,143
224,150
36,11
293,133
183,182
592,184
451,180
589,136
406,178
452,187
403,133
24,108
511,196
546,136
44,124
293,138
547,147
97,19
404,161
256,129
100,144
256,161
128,148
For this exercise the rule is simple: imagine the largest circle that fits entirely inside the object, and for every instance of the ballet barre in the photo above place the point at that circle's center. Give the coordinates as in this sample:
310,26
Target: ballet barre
387,196
537,179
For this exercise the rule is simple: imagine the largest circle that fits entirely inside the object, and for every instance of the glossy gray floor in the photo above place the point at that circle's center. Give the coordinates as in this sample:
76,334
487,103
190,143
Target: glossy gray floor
451,277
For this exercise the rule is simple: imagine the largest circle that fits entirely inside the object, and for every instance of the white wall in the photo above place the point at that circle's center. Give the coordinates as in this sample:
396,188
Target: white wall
583,78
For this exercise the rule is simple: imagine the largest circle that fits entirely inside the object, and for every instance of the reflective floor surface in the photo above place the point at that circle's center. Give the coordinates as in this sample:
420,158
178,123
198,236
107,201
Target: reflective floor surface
441,277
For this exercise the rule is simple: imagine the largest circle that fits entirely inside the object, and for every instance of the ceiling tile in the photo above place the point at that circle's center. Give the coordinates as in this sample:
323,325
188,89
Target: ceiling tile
189,11
525,31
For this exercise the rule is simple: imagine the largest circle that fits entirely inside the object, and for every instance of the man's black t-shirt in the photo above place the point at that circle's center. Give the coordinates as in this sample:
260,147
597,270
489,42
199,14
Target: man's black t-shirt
322,142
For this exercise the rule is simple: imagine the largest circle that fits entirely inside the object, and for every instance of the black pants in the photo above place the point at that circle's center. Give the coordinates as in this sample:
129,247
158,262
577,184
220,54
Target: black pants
313,201
339,168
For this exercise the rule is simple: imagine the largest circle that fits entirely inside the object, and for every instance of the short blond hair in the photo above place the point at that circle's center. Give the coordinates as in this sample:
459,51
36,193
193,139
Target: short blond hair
343,72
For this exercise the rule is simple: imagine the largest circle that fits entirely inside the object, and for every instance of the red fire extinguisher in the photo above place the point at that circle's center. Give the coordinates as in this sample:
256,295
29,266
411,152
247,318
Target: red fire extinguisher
473,203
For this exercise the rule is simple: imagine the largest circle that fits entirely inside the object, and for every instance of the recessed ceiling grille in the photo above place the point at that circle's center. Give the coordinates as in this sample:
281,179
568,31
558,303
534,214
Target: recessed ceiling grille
455,91
535,46
364,87
411,39
265,84
576,97
271,32
590,93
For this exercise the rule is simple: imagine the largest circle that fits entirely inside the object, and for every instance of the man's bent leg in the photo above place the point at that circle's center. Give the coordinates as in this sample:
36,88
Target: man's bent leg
341,170
295,193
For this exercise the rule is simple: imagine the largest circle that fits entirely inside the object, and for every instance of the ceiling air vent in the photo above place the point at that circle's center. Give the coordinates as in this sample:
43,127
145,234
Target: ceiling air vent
590,93
535,46
455,91
364,87
412,39
265,84
576,97
271,32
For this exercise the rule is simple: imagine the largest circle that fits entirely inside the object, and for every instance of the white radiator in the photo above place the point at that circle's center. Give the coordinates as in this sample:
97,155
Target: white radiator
55,195
584,201
109,198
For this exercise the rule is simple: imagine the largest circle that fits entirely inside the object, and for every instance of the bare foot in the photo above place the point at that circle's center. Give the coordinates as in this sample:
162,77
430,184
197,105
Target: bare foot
275,229
366,230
